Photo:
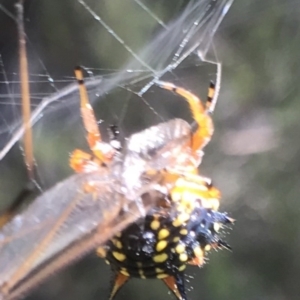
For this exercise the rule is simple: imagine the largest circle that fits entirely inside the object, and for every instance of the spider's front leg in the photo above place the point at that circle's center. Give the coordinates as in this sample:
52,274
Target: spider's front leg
188,184
200,112
103,153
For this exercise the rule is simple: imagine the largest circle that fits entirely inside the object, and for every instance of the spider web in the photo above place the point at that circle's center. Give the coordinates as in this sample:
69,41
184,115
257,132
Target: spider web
124,46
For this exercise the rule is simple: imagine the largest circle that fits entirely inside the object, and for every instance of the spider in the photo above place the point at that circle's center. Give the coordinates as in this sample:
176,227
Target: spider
153,177
163,162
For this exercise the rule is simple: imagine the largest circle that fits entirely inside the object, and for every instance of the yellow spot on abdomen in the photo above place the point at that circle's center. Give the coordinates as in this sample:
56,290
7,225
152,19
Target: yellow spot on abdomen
163,233
180,248
158,270
117,243
155,224
183,257
161,245
177,222
183,231
142,275
118,256
181,268
160,258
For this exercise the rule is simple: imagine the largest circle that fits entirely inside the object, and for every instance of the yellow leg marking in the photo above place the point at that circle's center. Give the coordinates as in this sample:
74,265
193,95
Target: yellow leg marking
210,95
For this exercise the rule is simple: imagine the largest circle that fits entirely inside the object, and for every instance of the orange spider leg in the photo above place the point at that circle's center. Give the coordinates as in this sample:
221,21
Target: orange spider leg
103,151
199,111
81,161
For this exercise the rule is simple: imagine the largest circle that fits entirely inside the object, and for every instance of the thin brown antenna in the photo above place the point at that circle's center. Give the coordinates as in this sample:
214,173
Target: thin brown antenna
25,91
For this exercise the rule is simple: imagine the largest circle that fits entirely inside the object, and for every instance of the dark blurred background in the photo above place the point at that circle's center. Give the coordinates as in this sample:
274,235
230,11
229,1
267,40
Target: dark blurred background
253,157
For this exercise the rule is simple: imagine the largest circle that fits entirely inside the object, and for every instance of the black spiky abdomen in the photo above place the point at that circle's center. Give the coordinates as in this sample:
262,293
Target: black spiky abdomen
157,247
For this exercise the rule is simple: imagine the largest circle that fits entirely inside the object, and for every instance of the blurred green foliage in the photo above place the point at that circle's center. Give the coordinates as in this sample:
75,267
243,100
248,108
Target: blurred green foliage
253,157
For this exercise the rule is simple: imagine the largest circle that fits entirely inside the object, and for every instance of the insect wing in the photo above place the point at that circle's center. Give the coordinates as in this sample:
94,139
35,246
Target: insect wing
57,219
153,149
159,145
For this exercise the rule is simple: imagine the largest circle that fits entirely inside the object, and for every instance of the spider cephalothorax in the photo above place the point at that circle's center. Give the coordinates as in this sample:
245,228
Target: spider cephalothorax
159,162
